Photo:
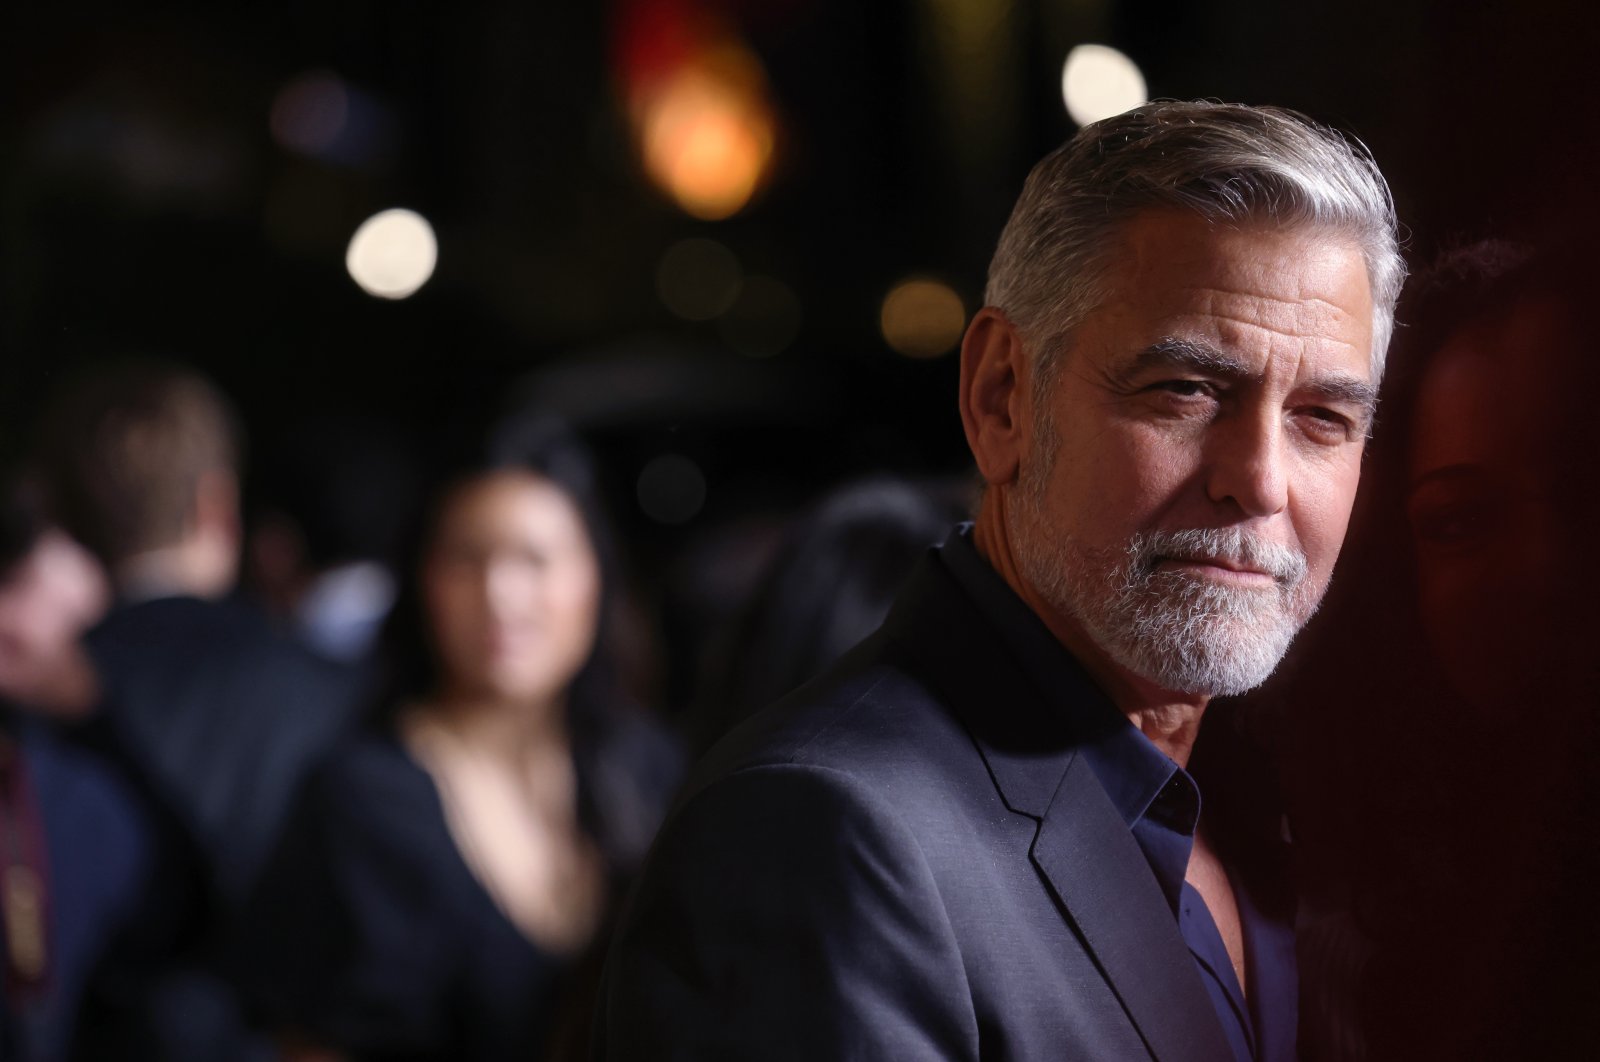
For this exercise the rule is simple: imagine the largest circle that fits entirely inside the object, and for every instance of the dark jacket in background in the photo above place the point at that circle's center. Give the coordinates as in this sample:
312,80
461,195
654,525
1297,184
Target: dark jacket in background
96,861
215,720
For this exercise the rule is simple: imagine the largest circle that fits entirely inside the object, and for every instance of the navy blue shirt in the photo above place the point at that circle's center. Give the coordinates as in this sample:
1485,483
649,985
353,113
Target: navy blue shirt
1161,804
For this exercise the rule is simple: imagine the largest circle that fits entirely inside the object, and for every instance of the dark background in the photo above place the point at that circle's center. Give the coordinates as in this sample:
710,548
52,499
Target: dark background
146,207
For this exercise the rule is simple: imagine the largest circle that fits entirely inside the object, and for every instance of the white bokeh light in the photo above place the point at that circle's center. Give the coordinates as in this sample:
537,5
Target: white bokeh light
1098,81
392,254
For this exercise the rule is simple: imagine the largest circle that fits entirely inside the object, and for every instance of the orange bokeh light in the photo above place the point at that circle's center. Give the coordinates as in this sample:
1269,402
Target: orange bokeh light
706,132
706,142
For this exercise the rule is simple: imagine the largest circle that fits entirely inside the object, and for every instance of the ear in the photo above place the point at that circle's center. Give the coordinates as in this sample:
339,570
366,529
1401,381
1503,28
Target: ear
994,394
216,505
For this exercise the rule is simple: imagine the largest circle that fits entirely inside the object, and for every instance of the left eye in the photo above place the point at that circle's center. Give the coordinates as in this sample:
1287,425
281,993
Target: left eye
1327,422
1187,388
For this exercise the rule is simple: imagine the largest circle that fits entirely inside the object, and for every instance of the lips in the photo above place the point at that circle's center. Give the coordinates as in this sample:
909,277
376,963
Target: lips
1220,569
1229,554
1216,562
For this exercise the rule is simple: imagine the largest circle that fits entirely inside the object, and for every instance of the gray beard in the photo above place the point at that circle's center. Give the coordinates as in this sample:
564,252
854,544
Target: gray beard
1174,628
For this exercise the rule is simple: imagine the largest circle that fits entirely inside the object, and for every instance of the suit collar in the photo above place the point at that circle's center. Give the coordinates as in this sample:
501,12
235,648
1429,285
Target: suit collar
1025,746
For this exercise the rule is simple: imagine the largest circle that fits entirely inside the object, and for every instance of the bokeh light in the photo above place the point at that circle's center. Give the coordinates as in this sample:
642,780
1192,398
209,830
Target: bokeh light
392,254
698,279
1098,81
922,317
707,134
764,320
671,489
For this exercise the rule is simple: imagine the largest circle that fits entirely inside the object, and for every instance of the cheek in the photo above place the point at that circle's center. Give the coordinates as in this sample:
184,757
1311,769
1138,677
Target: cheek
1505,580
1322,503
455,607
1133,476
1446,596
574,602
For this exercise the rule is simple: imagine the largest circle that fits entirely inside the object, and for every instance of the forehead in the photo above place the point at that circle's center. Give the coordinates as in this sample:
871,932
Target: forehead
508,500
1255,289
1496,391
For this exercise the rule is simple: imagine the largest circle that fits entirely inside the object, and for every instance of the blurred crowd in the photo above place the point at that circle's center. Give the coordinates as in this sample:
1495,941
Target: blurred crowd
361,770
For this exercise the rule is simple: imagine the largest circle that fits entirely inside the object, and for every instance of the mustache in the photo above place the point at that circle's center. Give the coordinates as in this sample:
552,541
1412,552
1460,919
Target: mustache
1234,546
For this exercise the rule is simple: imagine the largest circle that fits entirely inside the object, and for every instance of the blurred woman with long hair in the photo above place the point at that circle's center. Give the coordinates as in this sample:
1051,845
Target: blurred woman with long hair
446,873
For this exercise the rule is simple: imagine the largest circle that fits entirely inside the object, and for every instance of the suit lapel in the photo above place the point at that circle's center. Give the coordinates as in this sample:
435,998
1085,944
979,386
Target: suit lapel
1083,848
1101,877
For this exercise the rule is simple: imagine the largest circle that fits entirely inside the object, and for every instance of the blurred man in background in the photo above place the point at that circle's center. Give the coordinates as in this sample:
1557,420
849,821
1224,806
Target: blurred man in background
214,717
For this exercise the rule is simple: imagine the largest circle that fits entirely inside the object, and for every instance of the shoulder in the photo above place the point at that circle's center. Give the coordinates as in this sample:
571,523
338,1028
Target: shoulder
788,911
85,803
369,780
366,849
874,723
215,637
868,767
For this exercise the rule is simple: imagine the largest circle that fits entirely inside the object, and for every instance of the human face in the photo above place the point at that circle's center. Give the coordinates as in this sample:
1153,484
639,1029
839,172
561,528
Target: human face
47,601
512,589
1500,500
1195,456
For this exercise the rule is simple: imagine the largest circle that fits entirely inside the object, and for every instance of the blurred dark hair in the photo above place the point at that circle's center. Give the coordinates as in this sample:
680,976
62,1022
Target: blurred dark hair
122,449
346,481
544,447
829,586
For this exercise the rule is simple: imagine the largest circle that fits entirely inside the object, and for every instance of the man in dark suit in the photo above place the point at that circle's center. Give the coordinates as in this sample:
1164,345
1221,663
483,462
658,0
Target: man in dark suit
213,716
981,836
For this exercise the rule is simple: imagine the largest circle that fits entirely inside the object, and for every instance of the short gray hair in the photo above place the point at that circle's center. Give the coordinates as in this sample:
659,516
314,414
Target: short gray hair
1225,162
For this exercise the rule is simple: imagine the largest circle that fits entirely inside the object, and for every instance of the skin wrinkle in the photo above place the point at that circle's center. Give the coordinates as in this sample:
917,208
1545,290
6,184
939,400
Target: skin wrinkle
1177,352
1250,463
1297,303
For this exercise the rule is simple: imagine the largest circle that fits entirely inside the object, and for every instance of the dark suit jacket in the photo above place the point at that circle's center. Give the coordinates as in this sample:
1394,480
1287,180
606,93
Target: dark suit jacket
906,860
215,720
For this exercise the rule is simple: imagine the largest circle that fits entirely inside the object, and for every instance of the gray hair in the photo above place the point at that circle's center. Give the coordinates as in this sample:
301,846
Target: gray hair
1225,162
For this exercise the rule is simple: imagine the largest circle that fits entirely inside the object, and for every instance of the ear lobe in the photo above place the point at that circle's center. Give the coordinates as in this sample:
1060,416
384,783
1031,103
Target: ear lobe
993,395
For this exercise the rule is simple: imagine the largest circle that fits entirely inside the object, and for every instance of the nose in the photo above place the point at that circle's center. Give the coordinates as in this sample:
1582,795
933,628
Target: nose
1247,465
504,586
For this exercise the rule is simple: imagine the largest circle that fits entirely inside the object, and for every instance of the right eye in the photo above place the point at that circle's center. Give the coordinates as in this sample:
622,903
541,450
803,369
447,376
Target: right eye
1187,388
1454,522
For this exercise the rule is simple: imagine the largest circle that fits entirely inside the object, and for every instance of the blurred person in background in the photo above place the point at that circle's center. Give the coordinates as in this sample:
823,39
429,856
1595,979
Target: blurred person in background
212,715
54,592
829,586
1502,502
76,853
1457,919
446,875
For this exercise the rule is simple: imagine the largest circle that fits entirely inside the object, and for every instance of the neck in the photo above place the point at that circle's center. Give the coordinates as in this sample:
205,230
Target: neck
191,568
1170,719
507,726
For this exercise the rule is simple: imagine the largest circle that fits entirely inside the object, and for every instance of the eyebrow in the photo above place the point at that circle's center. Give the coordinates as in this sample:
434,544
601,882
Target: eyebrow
1171,352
